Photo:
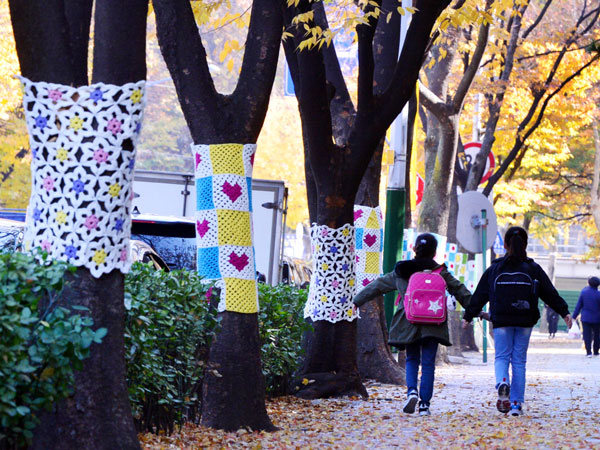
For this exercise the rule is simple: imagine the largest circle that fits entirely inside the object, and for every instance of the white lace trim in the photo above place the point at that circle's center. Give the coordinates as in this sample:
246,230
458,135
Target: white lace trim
368,223
332,285
83,156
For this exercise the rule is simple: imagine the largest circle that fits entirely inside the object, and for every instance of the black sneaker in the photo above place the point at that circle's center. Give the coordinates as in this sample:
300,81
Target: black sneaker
503,403
411,403
424,409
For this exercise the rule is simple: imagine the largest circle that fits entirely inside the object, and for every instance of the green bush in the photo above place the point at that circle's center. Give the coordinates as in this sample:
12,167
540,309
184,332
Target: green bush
40,343
281,326
169,326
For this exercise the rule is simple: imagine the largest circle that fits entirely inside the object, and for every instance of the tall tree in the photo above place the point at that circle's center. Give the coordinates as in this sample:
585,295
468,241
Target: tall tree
573,28
339,143
224,129
52,44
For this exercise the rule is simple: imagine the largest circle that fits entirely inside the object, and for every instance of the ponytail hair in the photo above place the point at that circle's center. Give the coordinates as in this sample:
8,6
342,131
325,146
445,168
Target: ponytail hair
515,243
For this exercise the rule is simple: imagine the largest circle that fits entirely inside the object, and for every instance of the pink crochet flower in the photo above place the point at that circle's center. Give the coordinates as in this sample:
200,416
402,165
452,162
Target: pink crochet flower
54,94
335,284
114,126
45,246
48,183
333,314
100,155
324,232
123,255
91,222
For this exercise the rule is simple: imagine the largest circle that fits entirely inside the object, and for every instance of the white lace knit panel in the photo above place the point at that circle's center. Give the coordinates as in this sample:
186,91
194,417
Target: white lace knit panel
368,223
332,285
83,157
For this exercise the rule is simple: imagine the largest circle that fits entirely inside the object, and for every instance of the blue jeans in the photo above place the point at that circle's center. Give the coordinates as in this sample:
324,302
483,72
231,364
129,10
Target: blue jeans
511,349
421,353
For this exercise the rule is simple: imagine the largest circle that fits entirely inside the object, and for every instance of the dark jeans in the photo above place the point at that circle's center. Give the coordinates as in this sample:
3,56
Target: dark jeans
421,353
590,329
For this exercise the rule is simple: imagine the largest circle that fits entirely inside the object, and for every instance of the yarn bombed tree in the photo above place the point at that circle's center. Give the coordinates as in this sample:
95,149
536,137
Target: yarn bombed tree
339,143
83,154
224,129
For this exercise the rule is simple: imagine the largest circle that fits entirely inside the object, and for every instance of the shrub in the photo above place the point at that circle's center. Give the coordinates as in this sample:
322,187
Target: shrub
281,326
40,343
169,326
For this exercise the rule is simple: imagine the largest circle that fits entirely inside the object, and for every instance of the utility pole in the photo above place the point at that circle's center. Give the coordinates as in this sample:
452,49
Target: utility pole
396,189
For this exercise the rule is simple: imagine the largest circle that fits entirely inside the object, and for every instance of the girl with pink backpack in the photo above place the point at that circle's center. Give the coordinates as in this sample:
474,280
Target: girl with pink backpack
420,323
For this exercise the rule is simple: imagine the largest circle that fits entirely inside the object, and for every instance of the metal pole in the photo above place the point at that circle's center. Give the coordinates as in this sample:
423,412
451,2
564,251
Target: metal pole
484,258
396,189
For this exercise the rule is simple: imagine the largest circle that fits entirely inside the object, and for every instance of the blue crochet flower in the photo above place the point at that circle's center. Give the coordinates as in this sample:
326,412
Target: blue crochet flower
119,225
78,186
41,122
96,95
70,251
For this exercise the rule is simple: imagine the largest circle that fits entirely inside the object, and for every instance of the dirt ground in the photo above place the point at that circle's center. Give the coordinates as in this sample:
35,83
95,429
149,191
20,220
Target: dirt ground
562,402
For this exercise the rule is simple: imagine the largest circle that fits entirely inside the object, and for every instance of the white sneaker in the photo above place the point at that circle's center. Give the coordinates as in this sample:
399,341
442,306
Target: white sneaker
516,409
411,403
589,355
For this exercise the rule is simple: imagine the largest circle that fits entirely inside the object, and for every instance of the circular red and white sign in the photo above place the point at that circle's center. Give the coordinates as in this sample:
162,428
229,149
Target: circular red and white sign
471,150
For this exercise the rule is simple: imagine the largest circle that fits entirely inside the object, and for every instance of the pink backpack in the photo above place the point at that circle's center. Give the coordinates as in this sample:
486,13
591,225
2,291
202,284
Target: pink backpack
425,298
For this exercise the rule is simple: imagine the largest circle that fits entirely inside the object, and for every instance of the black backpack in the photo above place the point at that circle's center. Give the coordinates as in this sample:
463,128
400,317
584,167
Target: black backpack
515,289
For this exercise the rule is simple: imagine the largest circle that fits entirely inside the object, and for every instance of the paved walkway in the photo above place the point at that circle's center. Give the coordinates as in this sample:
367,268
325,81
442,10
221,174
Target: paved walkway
561,412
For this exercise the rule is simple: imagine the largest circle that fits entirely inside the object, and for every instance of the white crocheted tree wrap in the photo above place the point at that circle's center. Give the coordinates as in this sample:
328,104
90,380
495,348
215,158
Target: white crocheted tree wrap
224,223
332,285
368,223
83,156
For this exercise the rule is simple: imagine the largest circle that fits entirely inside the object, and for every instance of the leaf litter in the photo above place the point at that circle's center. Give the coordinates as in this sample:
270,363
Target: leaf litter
561,412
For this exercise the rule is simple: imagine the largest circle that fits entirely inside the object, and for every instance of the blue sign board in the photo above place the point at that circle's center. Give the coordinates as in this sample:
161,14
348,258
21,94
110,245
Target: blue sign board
499,245
288,84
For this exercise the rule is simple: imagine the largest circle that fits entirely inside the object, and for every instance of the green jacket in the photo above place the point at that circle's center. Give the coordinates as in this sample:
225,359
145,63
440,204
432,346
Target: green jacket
403,332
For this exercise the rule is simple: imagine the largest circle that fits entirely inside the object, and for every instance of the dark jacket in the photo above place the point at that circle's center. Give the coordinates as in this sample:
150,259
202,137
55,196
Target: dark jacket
524,318
403,332
588,305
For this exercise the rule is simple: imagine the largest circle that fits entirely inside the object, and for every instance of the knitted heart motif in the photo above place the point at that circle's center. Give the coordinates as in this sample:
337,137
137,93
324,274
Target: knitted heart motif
202,227
370,239
238,261
358,214
232,191
365,281
198,159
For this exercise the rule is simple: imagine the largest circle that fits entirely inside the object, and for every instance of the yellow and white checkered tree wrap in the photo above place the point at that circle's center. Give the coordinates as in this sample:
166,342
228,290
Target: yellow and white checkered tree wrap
224,223
368,223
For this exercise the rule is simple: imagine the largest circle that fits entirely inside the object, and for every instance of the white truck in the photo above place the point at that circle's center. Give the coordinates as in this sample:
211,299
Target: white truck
174,194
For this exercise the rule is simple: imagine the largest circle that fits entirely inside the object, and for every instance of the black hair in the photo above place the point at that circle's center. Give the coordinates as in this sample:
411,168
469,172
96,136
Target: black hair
515,242
594,282
425,246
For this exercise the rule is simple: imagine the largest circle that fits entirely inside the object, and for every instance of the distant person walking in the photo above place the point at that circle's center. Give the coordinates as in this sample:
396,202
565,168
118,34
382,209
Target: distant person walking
512,285
552,318
420,340
589,307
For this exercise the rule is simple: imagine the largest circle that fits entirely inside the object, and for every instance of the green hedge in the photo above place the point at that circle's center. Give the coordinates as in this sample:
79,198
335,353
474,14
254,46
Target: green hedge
168,329
40,343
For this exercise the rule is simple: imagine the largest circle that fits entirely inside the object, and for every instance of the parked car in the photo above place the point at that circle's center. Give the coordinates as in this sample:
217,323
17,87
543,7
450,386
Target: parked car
11,240
295,271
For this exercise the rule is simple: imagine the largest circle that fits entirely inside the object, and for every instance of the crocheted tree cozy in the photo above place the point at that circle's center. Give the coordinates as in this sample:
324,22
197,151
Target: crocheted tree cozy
83,156
224,223
332,285
368,223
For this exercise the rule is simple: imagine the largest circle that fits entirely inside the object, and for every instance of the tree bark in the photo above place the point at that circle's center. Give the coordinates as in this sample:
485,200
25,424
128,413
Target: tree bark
52,41
235,398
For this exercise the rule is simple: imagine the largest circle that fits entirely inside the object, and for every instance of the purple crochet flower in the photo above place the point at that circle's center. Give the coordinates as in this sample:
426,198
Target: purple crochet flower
100,155
138,128
36,214
34,153
333,249
119,225
41,122
343,299
131,164
345,267
70,251
91,222
78,186
48,183
96,95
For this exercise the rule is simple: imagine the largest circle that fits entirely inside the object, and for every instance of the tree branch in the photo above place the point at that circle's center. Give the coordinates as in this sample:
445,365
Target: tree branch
366,62
259,65
538,19
185,56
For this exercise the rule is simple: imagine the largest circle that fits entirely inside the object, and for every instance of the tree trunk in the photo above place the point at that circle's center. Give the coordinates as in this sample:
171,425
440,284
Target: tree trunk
234,359
375,359
98,414
52,39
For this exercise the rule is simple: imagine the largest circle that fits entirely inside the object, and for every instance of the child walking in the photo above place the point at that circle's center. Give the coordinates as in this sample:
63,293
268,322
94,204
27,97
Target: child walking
512,285
420,341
